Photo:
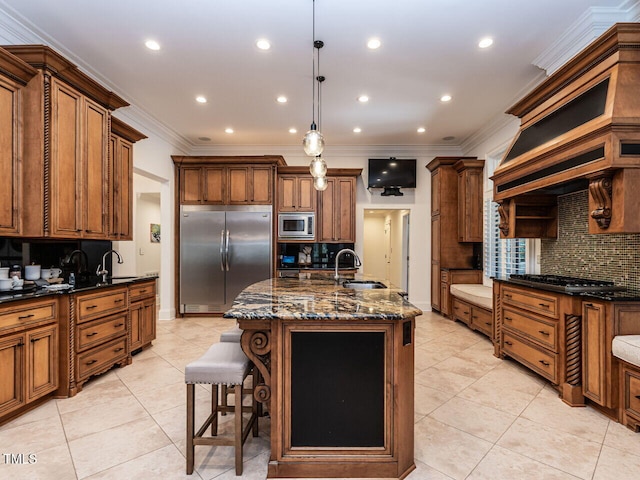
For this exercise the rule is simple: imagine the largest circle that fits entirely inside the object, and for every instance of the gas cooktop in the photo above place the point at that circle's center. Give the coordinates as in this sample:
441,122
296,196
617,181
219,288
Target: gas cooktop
559,283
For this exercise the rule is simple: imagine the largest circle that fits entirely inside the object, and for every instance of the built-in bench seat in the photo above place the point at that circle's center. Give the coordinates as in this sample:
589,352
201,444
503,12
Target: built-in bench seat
472,304
626,348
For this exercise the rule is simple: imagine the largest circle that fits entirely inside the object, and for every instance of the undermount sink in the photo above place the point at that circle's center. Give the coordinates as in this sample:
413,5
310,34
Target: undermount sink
363,284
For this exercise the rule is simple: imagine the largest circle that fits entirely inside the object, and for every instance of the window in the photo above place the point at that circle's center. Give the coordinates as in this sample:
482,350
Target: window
502,257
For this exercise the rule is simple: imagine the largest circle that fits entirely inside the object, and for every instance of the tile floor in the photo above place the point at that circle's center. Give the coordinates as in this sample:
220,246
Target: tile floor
476,417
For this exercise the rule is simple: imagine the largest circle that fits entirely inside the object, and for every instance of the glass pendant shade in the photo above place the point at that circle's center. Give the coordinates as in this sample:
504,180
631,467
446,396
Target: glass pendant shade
318,167
320,183
313,142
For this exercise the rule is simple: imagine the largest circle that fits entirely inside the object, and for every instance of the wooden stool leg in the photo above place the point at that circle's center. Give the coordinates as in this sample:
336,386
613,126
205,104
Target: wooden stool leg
214,409
223,399
254,405
190,426
238,428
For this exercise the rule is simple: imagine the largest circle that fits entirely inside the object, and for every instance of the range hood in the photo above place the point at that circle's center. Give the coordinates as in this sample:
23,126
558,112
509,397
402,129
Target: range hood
580,129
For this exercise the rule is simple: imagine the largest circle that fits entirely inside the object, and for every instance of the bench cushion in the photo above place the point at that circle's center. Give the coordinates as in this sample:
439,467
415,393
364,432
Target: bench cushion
223,364
474,293
231,335
627,348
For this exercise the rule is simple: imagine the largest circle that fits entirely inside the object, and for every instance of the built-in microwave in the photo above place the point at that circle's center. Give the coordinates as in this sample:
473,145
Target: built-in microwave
297,226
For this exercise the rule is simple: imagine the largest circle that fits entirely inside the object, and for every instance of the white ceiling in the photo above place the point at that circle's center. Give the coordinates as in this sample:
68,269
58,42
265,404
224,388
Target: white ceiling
429,48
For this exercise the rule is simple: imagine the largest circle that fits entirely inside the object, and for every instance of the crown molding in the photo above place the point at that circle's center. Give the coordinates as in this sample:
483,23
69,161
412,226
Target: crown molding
589,26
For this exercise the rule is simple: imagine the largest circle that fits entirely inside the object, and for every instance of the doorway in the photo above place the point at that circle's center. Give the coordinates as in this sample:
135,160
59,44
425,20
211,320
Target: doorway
386,245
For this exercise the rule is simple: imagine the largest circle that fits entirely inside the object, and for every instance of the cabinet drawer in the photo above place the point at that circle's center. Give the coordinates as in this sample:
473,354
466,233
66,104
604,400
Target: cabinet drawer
27,314
540,330
482,320
539,360
96,305
101,357
631,391
461,310
98,331
142,290
546,305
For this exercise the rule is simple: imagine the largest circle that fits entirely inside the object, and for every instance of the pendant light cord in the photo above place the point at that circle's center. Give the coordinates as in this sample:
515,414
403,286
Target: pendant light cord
313,62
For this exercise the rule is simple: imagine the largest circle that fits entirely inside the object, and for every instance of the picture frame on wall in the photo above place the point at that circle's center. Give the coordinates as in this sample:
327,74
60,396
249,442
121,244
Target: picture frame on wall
155,233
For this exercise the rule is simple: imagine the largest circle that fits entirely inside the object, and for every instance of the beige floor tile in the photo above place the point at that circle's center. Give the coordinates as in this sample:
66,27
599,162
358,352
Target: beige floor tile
50,464
549,410
465,366
166,397
427,399
254,468
32,437
503,464
617,464
620,437
557,449
447,449
431,353
103,416
165,463
150,374
42,412
102,450
474,418
444,380
94,394
425,472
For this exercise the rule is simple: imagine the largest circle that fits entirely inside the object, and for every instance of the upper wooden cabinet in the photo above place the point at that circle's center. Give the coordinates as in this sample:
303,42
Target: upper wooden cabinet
470,191
66,143
14,74
296,193
121,179
226,180
337,211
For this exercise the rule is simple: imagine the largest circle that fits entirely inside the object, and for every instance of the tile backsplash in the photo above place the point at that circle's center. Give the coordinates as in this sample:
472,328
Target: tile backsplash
576,253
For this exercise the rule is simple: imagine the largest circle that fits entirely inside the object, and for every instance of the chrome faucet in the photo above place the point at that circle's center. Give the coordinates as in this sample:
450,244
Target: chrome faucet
101,270
357,263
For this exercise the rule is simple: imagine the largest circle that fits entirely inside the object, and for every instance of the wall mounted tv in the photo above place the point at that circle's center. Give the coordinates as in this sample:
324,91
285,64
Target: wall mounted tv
392,174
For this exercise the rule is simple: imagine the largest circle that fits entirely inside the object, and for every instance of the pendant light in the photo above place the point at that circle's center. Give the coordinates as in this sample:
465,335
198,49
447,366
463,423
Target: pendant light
318,167
313,141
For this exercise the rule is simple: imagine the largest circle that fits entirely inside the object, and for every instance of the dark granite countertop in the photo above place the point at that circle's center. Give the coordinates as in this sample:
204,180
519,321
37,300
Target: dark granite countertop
318,297
91,283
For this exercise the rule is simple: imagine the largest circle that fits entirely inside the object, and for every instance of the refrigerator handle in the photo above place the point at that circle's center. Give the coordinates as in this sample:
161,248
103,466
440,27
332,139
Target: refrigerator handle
222,250
226,255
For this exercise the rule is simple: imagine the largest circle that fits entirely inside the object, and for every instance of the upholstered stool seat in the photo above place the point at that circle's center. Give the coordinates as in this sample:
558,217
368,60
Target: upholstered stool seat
222,364
231,335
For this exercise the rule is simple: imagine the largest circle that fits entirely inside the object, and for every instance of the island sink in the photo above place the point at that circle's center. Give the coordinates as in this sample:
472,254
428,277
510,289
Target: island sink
359,284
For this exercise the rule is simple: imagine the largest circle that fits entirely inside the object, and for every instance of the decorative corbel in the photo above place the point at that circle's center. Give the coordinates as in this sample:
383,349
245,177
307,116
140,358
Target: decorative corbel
503,211
600,189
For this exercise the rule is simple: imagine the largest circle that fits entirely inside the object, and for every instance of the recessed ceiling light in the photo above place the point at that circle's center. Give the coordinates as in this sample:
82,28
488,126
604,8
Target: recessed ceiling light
485,42
374,43
293,130
363,98
263,44
448,138
201,99
204,139
422,130
357,130
445,98
281,99
152,45
228,130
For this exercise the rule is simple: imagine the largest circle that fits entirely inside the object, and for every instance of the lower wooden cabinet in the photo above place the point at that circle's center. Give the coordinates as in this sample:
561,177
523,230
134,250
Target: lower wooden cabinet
12,373
630,397
449,276
475,317
143,316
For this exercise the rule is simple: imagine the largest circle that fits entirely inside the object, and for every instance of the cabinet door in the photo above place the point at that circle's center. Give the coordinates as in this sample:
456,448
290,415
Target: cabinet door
287,186
435,286
95,169
239,186
594,375
12,373
345,228
470,205
148,324
9,162
261,185
214,185
66,161
121,189
136,312
328,210
191,185
42,361
435,192
306,194
296,193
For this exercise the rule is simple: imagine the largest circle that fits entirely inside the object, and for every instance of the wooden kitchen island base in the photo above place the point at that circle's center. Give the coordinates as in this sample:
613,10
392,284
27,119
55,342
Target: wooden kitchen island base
338,367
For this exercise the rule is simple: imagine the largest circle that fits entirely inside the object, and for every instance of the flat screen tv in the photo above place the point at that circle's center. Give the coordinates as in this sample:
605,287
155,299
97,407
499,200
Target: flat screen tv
392,174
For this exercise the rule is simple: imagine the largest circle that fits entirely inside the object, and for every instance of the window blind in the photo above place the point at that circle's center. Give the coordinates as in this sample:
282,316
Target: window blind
502,257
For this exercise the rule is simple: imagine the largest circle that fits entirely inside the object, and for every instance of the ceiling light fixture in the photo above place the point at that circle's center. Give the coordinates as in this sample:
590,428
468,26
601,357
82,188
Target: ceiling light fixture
228,130
421,129
374,43
293,130
152,45
363,98
201,99
357,130
313,141
445,98
281,99
263,44
485,42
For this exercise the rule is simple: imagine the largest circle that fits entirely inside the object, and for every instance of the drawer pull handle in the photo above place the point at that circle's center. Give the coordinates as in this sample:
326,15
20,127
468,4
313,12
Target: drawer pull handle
508,295
487,323
638,397
34,340
91,362
546,364
118,300
119,349
118,325
26,316
466,313
92,334
508,319
91,307
474,316
455,308
546,334
508,343
143,291
590,305
544,305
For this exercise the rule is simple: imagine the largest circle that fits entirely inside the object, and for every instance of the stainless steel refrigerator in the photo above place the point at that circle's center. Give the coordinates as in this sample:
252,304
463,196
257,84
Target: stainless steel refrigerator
222,251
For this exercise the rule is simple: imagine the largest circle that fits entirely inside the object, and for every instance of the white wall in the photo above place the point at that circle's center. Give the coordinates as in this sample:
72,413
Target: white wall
374,262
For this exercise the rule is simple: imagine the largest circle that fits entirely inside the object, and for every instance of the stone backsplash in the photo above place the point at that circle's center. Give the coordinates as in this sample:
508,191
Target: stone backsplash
576,253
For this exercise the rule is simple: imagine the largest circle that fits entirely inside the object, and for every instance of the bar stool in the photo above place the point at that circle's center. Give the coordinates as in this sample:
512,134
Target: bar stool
232,335
223,364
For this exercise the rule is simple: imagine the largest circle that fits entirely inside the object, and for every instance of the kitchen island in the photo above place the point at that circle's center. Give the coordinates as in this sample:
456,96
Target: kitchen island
337,369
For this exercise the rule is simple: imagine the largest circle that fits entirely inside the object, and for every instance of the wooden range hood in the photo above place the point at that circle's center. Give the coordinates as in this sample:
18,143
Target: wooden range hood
580,129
